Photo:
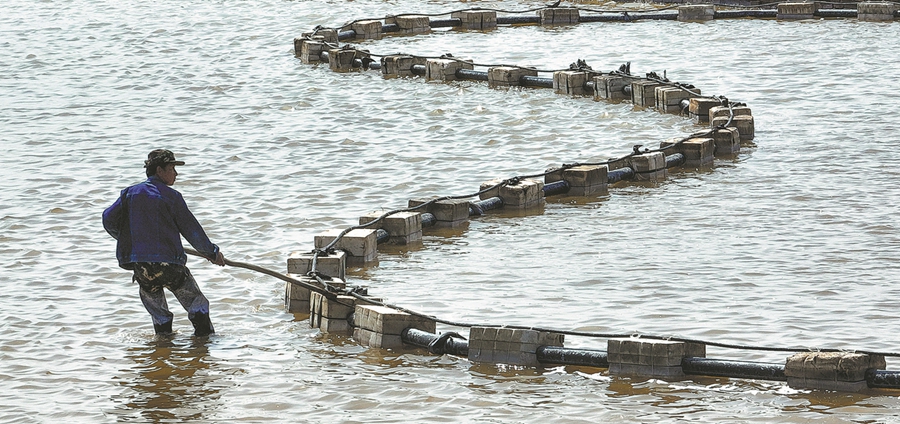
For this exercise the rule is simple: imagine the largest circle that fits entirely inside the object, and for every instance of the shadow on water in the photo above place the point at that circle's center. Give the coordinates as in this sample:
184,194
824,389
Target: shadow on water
171,380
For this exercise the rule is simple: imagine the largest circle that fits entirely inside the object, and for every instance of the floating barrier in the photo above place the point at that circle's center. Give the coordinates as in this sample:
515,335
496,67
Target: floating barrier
316,280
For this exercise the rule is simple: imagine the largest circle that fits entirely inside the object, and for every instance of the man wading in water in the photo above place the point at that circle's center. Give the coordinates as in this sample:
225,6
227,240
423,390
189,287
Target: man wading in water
148,221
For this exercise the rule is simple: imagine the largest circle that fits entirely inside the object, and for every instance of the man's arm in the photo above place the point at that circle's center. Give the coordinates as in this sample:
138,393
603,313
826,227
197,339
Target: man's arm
114,215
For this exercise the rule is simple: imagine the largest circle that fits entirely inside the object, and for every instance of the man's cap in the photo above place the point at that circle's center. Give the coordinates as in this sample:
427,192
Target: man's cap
161,157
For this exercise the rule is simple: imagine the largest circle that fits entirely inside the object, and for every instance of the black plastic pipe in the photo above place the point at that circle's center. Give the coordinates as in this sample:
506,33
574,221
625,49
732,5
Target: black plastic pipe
837,13
469,74
675,159
733,369
417,70
530,81
556,187
390,28
513,20
451,345
344,35
481,206
881,379
563,356
445,23
428,219
733,14
620,174
381,235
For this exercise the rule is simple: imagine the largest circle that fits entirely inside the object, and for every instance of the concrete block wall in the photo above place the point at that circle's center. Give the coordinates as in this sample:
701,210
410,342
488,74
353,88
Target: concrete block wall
559,16
584,180
651,358
400,65
526,194
570,83
476,19
444,69
794,11
649,167
411,24
381,327
696,13
507,76
842,371
509,346
876,11
331,316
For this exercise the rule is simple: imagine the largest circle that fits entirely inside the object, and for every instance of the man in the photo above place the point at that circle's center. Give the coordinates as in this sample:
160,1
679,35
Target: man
148,221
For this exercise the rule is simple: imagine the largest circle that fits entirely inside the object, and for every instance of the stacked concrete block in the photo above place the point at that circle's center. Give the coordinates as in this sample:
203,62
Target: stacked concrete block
643,93
507,76
411,24
444,69
400,65
699,107
309,50
612,87
698,151
559,16
649,167
876,11
584,180
402,227
841,371
743,123
696,13
650,358
367,29
343,60
476,19
668,98
297,297
728,141
795,11
718,111
331,315
380,326
327,35
524,195
509,346
332,264
360,244
447,213
570,83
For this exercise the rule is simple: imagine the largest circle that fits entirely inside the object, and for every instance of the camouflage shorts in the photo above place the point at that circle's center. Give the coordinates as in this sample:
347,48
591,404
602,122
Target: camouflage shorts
153,276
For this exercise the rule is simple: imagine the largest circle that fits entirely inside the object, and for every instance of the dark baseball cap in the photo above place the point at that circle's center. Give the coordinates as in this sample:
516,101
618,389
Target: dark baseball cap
161,157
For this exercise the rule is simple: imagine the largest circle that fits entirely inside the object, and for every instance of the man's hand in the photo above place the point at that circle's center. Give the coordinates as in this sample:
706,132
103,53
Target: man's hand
219,260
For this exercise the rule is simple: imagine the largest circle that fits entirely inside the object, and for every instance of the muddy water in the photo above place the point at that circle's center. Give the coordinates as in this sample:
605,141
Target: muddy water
792,243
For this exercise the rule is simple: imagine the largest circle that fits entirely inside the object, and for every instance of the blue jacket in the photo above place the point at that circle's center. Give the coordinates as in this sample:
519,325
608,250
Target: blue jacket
147,221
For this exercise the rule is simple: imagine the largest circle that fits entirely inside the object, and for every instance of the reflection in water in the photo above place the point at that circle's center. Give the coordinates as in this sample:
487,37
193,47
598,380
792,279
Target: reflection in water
171,381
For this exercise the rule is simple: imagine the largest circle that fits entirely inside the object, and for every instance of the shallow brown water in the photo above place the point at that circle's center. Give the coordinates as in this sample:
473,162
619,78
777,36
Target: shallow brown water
792,243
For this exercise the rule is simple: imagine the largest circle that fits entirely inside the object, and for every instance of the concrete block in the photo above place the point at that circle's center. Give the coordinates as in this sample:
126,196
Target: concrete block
384,320
728,141
643,93
309,51
344,60
699,108
876,11
451,210
332,264
698,151
668,98
570,83
410,24
360,244
558,16
509,346
834,366
796,11
370,29
507,76
649,166
444,69
526,194
395,66
696,13
296,298
718,111
584,180
403,227
339,308
612,87
326,35
377,340
645,370
743,123
476,19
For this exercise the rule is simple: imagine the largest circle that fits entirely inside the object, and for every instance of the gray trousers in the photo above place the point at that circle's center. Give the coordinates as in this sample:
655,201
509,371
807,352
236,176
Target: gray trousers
153,277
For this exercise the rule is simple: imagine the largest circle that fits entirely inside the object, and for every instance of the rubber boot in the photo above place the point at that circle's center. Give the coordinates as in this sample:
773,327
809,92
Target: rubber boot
202,325
163,329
